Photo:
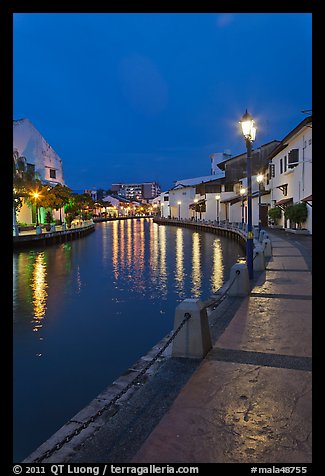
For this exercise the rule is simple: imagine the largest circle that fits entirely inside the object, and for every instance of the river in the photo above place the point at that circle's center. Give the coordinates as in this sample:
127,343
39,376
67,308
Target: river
84,311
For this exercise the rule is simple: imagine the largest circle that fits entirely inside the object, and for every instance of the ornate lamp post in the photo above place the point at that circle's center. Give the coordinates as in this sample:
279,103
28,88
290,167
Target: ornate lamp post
259,180
217,203
249,133
179,209
36,196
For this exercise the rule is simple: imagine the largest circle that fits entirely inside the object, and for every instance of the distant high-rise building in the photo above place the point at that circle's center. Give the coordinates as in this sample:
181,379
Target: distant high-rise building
137,191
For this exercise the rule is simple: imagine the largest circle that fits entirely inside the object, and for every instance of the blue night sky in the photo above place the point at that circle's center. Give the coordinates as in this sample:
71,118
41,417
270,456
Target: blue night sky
132,97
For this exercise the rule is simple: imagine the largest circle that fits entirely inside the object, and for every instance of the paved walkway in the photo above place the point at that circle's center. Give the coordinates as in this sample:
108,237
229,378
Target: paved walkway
250,398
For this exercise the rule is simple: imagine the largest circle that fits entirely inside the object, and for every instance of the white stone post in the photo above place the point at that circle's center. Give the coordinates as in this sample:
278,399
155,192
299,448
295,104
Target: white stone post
193,340
267,247
240,279
258,258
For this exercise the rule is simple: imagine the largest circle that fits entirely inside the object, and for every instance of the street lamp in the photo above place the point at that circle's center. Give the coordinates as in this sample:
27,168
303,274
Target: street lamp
249,133
242,192
179,209
36,196
217,202
259,180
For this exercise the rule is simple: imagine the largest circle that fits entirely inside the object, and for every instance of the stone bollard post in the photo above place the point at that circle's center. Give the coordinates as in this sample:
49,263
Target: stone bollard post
261,236
38,230
267,247
258,258
52,228
241,285
256,232
64,227
193,341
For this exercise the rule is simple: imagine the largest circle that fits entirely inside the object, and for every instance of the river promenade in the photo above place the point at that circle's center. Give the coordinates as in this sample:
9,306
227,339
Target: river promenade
247,401
250,399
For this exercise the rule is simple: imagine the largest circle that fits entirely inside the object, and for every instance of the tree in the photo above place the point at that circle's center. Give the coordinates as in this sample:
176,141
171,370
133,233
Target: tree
76,205
59,196
24,181
274,213
297,213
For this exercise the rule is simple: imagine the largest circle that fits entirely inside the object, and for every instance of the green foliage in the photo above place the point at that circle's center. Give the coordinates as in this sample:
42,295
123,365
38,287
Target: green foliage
23,180
48,217
297,213
274,213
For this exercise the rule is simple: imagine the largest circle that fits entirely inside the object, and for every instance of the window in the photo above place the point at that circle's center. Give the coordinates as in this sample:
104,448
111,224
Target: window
166,198
285,163
52,173
281,166
293,158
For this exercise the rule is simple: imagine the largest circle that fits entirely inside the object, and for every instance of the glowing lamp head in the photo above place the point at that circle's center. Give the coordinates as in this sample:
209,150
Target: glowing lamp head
247,126
242,191
179,203
35,195
259,178
218,196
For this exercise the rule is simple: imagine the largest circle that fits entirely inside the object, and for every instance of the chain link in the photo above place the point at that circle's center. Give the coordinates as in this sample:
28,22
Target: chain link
91,419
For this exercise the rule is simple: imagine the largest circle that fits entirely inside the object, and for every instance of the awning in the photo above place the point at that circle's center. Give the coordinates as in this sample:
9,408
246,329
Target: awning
284,201
227,200
308,199
198,206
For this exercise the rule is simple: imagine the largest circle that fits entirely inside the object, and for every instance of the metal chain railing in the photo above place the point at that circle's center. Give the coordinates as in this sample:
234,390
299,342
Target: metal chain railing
215,302
90,420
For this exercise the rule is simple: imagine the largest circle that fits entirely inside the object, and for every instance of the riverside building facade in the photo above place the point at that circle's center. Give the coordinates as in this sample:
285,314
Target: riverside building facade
281,176
290,173
41,158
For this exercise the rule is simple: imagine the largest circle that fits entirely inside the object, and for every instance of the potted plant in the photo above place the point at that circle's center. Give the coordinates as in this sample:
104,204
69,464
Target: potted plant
297,214
48,220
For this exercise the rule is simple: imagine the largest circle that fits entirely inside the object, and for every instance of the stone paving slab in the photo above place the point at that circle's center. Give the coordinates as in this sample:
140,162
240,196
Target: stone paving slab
285,262
234,413
261,325
284,283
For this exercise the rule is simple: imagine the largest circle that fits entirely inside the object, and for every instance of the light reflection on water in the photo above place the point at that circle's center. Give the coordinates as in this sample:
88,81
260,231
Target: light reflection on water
98,304
39,285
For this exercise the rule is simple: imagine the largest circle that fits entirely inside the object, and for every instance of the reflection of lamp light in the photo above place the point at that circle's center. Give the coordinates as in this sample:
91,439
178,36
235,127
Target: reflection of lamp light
249,133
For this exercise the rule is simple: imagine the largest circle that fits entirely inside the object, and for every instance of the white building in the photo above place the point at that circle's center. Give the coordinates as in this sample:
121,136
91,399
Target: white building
184,201
40,157
290,175
233,204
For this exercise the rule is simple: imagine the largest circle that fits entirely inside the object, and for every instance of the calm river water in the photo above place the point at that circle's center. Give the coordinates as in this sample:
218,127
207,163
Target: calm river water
86,310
